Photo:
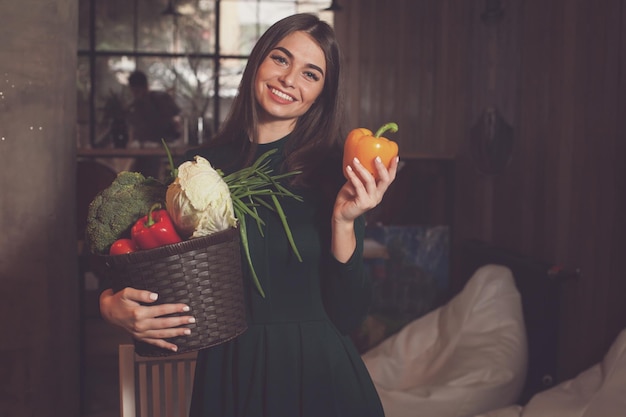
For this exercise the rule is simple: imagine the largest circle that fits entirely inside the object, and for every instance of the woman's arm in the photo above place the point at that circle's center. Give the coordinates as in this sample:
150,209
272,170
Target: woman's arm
145,323
360,194
346,287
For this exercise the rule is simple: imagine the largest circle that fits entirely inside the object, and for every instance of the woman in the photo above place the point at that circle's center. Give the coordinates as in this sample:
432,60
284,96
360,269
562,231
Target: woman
295,359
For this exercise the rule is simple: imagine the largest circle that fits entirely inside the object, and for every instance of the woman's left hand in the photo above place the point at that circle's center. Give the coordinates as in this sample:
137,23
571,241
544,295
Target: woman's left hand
362,192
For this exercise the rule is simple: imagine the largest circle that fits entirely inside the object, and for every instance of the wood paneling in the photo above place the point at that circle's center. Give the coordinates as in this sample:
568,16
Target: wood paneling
398,69
556,71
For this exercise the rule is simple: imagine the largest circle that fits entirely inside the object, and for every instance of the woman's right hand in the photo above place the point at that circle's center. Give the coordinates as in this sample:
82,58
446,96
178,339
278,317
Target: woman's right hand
144,323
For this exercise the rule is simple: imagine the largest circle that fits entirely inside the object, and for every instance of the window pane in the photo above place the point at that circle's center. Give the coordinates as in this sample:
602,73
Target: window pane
111,94
313,6
243,22
160,72
231,71
196,27
194,78
191,82
155,27
114,25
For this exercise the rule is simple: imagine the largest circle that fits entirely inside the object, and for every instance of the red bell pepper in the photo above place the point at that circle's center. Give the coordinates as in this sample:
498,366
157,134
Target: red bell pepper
123,246
154,229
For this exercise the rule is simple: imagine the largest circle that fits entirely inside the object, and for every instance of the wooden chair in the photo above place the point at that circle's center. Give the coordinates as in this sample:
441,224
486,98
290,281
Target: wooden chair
155,386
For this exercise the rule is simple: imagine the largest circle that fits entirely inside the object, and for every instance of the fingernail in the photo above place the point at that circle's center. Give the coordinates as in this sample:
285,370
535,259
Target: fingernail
356,160
187,331
186,308
349,168
154,296
378,159
174,349
192,319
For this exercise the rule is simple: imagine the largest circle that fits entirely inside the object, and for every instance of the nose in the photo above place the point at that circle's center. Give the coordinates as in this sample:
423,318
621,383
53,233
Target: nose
287,78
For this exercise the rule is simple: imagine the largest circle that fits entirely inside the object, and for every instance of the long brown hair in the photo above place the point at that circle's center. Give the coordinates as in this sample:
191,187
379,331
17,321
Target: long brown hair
317,133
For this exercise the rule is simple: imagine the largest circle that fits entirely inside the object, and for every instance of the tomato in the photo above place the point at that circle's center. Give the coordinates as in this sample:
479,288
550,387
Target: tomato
123,246
361,144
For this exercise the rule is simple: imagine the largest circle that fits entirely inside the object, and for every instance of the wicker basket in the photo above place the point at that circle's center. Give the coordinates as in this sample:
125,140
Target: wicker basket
204,273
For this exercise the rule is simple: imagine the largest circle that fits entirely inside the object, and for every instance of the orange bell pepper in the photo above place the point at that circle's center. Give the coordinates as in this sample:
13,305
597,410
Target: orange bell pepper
361,144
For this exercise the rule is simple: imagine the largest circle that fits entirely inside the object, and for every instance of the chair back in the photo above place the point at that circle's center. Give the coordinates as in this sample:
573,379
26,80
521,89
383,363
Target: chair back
155,386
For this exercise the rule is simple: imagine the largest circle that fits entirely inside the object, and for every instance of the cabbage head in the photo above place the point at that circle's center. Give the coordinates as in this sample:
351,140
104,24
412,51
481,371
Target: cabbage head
199,200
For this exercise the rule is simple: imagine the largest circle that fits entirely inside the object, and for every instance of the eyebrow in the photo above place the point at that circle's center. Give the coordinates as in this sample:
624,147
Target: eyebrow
290,55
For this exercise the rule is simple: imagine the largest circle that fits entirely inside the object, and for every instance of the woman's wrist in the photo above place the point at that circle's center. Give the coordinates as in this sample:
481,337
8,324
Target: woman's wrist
342,225
343,239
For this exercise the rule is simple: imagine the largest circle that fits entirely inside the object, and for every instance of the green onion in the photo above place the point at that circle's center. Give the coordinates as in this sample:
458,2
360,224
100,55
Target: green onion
249,188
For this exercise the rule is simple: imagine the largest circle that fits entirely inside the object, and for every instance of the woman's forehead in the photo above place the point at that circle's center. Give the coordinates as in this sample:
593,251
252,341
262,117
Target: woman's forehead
303,46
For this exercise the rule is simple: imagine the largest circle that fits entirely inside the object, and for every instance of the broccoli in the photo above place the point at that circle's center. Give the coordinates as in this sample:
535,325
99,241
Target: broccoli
114,210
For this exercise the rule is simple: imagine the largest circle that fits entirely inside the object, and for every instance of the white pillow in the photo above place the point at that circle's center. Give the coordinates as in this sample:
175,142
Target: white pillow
600,391
466,357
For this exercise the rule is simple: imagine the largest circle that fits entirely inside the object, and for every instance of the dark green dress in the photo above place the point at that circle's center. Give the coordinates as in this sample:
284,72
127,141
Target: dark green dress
295,359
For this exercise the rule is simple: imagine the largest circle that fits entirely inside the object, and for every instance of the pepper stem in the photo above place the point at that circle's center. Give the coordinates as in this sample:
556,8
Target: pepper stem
393,127
150,222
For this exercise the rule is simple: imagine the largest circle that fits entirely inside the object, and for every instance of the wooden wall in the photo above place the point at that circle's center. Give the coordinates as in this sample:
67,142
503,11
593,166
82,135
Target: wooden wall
556,73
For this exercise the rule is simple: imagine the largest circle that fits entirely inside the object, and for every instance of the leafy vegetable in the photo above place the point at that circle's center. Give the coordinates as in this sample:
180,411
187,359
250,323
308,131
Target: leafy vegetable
114,210
202,201
198,200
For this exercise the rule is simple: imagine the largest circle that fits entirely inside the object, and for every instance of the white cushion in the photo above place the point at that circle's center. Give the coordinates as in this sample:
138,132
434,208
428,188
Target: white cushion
466,357
599,391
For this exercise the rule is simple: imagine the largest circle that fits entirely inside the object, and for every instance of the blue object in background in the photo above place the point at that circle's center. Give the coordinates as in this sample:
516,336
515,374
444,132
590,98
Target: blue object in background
409,267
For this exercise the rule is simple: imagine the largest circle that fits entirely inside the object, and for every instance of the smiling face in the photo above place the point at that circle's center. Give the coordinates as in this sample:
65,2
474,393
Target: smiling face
289,80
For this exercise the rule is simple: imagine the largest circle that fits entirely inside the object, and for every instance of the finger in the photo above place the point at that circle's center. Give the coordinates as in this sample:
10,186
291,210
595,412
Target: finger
157,331
374,188
141,296
147,297
151,318
386,176
383,173
164,309
160,343
354,179
393,168
168,325
361,178
363,173
359,192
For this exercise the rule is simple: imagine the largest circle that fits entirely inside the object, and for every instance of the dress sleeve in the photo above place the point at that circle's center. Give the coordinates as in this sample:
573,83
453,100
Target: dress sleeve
347,288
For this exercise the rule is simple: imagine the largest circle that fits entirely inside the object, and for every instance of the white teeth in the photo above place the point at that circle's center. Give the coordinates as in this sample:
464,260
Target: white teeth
281,94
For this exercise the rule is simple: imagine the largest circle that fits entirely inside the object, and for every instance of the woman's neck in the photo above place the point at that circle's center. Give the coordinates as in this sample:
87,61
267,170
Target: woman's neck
272,131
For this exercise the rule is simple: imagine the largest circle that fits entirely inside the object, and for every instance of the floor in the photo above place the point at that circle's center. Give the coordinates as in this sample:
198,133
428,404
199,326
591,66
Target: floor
100,396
